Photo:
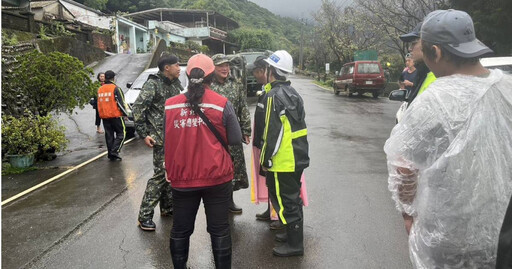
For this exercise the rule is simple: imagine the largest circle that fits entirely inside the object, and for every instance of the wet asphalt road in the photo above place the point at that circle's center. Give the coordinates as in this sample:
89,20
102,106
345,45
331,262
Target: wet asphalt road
88,219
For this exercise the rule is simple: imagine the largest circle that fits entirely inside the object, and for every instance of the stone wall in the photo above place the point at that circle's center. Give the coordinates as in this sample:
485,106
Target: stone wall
15,21
103,41
81,50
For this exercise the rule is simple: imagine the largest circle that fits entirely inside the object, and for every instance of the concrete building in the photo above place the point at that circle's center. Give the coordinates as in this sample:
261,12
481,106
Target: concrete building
204,27
87,15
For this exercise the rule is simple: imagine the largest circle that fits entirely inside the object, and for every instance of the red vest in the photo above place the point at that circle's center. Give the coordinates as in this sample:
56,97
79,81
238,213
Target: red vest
107,105
193,155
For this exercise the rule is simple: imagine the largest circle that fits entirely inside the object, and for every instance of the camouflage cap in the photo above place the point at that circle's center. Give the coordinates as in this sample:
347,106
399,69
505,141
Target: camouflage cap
220,58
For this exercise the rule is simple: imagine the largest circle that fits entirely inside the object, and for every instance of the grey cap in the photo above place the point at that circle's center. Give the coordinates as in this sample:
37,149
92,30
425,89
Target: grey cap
454,31
414,34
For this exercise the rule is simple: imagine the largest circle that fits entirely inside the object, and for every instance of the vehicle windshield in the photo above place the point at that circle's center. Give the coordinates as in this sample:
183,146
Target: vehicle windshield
504,68
250,58
368,68
141,79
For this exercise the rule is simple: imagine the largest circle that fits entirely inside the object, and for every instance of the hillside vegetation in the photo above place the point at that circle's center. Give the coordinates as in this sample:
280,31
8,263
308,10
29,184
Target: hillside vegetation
259,28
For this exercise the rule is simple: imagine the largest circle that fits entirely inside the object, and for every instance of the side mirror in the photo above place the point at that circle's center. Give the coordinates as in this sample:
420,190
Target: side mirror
337,73
129,84
397,95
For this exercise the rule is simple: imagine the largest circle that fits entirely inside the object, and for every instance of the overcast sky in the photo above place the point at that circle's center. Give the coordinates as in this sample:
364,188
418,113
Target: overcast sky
295,8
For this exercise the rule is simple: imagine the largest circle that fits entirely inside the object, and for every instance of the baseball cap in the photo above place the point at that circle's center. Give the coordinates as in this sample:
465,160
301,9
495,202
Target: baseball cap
201,61
414,34
454,31
110,74
220,58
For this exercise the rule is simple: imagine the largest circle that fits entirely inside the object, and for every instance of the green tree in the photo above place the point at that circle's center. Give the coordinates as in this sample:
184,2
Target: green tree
249,38
96,4
393,18
346,30
493,22
136,5
47,82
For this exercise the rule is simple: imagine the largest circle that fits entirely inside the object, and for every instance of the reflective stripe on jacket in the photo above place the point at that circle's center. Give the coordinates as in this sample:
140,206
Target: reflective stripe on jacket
194,157
428,80
107,104
285,145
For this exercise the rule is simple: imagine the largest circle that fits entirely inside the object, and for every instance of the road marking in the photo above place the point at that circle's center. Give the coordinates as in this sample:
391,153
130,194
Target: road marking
58,176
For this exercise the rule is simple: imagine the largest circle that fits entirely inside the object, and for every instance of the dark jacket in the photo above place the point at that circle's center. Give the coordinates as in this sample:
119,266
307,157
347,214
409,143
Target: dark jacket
421,73
285,146
259,118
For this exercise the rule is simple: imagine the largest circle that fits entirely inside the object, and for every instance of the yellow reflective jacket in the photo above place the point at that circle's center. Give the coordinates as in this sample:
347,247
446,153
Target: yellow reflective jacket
285,144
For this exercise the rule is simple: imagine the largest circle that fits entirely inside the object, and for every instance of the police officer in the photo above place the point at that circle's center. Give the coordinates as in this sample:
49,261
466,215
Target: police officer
148,111
232,89
284,154
112,108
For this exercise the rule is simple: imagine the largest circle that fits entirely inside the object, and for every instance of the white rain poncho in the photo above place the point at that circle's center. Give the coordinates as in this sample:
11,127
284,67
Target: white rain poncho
450,167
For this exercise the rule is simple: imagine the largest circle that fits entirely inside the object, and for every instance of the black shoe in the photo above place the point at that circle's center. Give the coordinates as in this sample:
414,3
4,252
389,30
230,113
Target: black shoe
147,225
233,208
294,245
276,225
114,157
265,216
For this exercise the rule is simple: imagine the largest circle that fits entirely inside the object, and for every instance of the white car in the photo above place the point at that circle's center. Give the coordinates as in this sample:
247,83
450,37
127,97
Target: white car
134,90
503,63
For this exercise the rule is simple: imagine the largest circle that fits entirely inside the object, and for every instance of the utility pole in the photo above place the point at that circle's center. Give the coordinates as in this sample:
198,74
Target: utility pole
301,55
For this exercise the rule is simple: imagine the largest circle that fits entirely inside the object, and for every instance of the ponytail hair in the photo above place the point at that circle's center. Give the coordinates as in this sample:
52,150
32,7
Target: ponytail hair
196,87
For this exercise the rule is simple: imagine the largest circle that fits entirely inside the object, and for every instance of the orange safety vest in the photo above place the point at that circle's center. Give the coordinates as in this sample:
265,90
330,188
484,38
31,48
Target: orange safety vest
107,105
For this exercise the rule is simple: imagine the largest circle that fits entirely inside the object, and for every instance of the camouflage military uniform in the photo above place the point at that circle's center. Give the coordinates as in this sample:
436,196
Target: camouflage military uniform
148,112
234,91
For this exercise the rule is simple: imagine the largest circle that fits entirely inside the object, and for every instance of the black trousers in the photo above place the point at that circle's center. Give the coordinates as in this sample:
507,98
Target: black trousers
115,133
97,122
284,193
216,205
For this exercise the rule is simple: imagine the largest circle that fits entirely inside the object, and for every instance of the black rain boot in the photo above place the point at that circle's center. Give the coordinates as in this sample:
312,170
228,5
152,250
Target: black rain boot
294,245
265,216
179,252
233,208
221,248
281,237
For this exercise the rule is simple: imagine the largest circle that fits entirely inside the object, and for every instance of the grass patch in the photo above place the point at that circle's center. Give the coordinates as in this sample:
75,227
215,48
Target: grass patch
22,37
7,169
326,84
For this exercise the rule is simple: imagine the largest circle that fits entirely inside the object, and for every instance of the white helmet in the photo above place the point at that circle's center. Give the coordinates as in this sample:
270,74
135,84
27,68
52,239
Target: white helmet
282,61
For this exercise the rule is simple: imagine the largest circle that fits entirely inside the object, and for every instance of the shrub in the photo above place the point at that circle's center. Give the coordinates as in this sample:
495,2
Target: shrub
30,134
9,41
49,82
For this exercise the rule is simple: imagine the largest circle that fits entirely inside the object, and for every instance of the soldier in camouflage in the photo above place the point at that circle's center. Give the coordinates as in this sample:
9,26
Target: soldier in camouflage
233,89
148,113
